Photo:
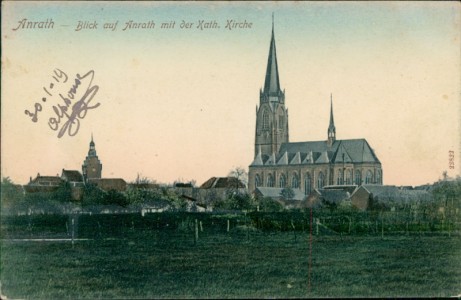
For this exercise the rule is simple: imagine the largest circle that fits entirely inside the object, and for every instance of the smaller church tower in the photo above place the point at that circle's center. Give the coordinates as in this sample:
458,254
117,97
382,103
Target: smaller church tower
91,167
331,127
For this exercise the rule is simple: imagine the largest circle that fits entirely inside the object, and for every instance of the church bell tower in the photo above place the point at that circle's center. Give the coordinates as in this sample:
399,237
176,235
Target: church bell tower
91,167
271,115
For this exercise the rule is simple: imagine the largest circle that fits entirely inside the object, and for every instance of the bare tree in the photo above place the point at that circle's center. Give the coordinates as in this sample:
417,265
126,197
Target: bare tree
241,174
143,181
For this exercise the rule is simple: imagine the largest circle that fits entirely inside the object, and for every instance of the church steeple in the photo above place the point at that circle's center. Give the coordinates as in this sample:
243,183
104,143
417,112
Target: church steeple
271,116
272,82
91,167
92,151
331,127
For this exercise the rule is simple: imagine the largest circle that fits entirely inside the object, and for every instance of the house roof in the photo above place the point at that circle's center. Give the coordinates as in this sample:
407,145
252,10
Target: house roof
222,182
54,180
390,192
348,188
109,183
72,175
334,196
276,193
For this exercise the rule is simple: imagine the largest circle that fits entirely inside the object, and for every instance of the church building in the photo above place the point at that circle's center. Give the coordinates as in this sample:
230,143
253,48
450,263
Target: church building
279,163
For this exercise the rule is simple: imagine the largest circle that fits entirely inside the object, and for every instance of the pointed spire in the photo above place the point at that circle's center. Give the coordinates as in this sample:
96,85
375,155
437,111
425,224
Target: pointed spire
272,23
332,121
331,127
92,151
272,84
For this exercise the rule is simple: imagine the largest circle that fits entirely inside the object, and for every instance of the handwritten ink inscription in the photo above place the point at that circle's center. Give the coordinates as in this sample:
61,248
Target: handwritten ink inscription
73,102
451,159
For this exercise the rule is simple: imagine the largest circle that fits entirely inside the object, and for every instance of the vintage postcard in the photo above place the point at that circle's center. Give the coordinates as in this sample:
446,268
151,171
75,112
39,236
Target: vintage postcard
230,149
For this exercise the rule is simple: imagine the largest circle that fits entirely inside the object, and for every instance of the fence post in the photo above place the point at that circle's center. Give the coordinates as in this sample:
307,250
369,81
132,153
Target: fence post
228,225
73,231
196,232
201,226
317,221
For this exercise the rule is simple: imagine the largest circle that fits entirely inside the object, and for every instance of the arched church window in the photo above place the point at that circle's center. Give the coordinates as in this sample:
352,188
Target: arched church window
282,181
295,181
348,177
281,121
358,177
270,181
257,181
307,184
369,177
320,180
265,120
339,179
379,177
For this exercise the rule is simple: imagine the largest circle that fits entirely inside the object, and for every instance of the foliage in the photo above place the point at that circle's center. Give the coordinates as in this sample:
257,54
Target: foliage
141,195
267,204
11,194
240,201
447,192
142,182
92,195
287,193
63,194
114,197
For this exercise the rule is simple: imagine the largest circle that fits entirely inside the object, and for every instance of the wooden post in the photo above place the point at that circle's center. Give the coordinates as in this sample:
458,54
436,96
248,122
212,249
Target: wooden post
228,225
73,231
294,229
196,232
317,226
201,226
310,251
247,226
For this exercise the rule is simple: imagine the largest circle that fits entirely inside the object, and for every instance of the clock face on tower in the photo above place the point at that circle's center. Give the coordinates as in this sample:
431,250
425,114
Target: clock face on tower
93,169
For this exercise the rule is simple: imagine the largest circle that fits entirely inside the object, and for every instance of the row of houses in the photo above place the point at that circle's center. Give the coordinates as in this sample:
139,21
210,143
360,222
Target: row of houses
363,197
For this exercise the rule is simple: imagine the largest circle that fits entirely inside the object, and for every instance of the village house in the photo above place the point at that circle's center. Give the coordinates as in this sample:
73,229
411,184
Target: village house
369,196
43,184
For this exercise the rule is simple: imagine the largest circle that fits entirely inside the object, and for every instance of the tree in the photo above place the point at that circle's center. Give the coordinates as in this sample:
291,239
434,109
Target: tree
287,193
92,195
268,204
142,182
116,198
63,193
11,194
241,174
240,201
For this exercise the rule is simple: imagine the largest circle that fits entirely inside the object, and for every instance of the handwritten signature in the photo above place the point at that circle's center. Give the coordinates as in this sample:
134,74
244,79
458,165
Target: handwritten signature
79,108
68,112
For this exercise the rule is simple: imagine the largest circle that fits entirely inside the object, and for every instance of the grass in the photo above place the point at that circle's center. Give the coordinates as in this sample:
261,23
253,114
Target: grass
168,264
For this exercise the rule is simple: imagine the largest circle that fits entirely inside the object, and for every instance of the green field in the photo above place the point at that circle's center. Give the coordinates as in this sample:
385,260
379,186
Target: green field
167,263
